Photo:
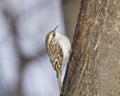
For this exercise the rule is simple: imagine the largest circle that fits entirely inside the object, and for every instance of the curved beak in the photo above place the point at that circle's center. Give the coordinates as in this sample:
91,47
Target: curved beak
56,28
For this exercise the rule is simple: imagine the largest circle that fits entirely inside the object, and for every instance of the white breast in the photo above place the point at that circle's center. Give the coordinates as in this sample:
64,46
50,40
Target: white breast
65,45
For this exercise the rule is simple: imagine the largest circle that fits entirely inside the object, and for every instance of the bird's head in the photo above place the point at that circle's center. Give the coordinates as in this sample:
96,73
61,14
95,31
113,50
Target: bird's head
51,35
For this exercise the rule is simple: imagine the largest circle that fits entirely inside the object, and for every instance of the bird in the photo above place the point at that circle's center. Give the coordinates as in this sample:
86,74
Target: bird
58,47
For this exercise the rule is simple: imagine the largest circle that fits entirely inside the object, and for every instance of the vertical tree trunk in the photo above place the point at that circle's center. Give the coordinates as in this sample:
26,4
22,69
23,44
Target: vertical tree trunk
94,65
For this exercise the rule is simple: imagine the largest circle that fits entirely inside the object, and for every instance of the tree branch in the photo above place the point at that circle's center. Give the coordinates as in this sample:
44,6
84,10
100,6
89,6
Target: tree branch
94,65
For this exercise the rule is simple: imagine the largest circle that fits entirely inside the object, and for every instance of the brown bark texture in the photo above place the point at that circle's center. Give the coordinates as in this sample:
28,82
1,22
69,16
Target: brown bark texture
94,65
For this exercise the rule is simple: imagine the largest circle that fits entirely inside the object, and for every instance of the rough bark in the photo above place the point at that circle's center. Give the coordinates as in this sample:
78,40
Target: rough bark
94,65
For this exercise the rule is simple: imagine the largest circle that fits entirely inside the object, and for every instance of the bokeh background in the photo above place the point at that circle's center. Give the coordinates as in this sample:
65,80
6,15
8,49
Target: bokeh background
25,69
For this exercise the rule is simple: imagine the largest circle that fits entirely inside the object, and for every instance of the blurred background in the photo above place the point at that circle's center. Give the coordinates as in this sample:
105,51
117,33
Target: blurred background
25,69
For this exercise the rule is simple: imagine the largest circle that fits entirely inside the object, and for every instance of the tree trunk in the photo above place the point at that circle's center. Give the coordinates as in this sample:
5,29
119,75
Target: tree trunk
94,65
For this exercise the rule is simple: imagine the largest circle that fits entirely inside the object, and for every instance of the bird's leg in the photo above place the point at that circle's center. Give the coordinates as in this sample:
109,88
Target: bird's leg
59,80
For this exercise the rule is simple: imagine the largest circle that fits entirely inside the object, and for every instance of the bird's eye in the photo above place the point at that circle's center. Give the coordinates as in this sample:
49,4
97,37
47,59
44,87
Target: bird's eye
53,34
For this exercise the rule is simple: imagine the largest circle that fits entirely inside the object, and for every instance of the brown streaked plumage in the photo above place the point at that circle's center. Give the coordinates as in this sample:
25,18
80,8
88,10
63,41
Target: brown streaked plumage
56,54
